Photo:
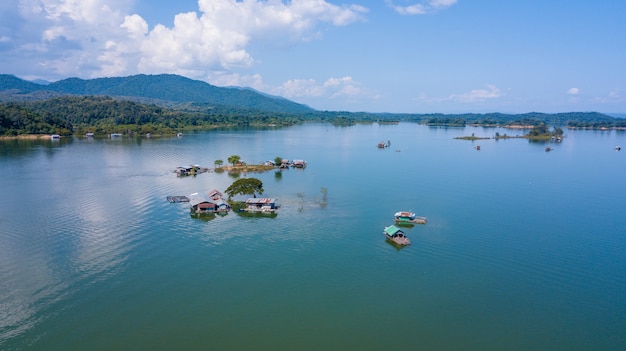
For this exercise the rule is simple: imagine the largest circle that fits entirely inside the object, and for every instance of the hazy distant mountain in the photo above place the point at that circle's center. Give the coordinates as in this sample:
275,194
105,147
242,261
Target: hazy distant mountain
12,83
163,87
41,81
617,115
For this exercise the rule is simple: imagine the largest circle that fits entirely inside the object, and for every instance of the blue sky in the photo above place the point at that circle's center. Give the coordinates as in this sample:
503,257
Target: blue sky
412,56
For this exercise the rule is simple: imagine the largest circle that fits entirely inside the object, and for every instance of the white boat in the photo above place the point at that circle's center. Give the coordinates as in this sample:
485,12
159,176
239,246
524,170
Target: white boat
408,217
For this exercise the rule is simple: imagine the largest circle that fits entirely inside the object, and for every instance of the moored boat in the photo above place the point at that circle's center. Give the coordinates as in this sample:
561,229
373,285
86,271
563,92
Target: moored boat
408,217
177,198
395,235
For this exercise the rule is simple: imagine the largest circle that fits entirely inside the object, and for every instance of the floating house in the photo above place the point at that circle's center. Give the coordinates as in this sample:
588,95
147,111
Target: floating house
190,170
215,194
177,198
285,163
184,171
262,205
396,236
299,163
199,204
220,204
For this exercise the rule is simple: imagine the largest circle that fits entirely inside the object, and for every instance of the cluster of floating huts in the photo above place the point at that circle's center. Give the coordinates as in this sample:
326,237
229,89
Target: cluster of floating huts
285,163
214,202
190,170
197,169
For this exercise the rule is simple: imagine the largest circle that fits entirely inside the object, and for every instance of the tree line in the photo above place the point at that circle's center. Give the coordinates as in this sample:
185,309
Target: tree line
67,115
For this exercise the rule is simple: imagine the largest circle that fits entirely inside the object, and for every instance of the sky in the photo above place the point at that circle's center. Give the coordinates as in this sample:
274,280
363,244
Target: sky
400,56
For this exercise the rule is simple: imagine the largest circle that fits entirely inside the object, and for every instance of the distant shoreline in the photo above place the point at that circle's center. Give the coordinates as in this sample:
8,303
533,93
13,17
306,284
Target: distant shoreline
26,137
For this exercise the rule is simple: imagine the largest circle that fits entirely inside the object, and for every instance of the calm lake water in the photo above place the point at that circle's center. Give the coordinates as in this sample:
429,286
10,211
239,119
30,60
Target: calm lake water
523,250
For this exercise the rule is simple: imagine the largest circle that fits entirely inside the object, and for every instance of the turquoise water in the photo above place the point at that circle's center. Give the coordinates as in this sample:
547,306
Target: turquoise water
523,249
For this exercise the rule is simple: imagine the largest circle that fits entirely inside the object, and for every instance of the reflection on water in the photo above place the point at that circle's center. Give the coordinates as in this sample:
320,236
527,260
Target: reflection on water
12,148
203,216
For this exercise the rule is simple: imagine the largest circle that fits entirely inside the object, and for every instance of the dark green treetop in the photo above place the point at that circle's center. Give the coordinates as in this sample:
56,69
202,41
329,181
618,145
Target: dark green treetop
245,186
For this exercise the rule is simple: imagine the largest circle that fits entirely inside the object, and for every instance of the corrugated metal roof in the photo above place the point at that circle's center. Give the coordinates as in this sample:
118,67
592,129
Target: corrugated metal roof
214,193
220,202
392,230
195,199
260,200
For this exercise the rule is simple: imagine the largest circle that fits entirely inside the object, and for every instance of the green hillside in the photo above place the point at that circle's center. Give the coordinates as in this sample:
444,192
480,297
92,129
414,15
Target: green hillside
163,88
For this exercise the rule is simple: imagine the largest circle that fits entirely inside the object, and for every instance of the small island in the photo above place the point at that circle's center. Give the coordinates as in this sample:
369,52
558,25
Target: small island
471,137
238,166
537,133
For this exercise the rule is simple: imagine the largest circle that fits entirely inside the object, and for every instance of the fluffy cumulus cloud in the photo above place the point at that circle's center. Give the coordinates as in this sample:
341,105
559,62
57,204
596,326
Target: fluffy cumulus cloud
58,37
344,87
422,7
96,38
573,91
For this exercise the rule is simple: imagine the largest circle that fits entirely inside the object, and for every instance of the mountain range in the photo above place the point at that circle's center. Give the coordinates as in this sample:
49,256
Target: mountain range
163,89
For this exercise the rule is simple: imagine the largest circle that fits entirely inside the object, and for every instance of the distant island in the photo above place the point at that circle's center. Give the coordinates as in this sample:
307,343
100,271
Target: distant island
164,105
539,132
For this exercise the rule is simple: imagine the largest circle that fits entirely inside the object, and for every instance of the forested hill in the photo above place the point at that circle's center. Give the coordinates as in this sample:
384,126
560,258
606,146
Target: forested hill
165,88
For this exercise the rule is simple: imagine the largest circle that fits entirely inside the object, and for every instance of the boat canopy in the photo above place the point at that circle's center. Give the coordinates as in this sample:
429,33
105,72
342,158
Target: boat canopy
405,214
392,230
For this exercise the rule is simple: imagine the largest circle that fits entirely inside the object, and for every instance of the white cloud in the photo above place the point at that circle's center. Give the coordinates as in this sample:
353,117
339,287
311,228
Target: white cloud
422,7
135,25
573,91
226,78
294,88
344,87
476,95
101,38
